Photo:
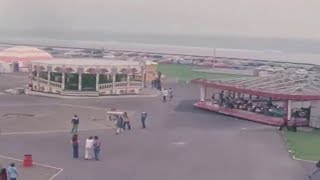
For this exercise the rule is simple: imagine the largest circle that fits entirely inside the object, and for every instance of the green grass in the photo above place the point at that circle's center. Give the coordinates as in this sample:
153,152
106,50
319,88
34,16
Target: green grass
183,72
305,145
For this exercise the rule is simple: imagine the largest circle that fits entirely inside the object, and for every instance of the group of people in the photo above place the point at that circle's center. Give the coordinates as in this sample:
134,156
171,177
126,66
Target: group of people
93,144
257,105
11,173
167,94
122,121
92,147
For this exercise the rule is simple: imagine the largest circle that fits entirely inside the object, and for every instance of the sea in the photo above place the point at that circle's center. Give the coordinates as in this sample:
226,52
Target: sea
198,42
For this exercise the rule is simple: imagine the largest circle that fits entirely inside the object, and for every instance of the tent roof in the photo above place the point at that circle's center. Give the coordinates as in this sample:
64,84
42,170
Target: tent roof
22,53
289,85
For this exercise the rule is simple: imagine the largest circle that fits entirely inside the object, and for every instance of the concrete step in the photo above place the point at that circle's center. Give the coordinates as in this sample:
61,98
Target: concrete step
80,93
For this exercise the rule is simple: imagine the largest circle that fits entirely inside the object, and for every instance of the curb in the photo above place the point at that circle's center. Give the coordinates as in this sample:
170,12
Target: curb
291,152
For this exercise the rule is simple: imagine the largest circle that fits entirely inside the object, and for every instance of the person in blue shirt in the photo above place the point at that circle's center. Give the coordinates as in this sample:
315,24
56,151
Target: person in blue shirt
119,124
143,119
12,172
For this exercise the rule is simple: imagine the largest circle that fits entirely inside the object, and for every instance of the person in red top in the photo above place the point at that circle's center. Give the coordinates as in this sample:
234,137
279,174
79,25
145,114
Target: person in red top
75,145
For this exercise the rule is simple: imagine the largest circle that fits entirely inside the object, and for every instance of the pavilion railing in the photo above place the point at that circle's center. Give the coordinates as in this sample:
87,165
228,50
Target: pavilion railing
135,83
44,81
121,84
55,84
105,86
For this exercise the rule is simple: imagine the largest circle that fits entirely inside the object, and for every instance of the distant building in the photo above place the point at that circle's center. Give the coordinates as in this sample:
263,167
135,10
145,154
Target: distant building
8,67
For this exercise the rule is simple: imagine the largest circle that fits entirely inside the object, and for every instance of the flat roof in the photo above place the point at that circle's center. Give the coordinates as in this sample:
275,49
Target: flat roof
289,86
87,62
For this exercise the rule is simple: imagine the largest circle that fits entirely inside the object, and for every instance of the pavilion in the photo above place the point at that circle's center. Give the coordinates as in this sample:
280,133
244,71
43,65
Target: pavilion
88,77
289,89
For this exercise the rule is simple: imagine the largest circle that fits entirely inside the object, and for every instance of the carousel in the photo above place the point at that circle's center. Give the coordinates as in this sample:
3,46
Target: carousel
88,77
292,97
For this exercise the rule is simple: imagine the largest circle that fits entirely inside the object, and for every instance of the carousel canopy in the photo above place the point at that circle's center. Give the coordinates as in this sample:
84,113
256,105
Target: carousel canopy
21,53
289,85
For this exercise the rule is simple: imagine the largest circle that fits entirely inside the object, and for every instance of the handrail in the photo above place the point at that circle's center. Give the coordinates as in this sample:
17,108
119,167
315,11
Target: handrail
44,81
55,84
105,86
122,84
135,83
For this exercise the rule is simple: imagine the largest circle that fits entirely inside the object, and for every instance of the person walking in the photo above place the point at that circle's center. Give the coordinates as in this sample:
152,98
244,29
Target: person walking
75,124
12,172
119,124
170,93
126,121
96,148
143,119
75,145
3,174
165,94
88,148
284,124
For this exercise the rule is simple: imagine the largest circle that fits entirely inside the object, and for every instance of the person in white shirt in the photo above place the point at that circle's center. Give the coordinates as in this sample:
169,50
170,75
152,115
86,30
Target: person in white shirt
165,94
89,148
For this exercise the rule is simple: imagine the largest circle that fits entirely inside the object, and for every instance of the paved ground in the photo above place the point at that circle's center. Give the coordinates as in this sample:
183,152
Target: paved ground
180,142
36,172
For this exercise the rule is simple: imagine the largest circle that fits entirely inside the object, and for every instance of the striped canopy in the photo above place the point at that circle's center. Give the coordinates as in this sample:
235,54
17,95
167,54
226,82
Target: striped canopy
22,53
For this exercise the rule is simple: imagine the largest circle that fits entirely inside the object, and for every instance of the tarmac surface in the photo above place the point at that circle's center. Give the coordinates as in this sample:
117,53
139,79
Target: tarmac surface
180,142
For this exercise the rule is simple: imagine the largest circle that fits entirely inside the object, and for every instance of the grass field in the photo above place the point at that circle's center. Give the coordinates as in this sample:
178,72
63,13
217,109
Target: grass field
305,145
183,72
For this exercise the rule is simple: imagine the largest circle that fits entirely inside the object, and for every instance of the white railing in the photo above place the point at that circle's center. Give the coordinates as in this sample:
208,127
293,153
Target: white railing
42,81
121,84
55,84
135,83
105,86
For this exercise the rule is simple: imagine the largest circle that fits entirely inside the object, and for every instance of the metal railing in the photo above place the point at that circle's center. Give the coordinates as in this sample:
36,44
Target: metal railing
44,81
121,84
55,84
135,83
105,86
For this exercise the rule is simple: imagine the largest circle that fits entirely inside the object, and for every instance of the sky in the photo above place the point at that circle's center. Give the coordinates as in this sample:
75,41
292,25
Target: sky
298,19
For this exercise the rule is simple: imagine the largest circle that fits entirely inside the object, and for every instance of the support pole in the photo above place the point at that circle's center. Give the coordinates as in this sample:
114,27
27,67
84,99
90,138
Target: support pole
38,83
142,79
30,73
289,110
128,82
97,81
63,81
202,93
113,82
80,82
49,77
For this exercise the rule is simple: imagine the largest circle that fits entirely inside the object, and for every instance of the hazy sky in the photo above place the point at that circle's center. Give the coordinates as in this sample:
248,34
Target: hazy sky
256,18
